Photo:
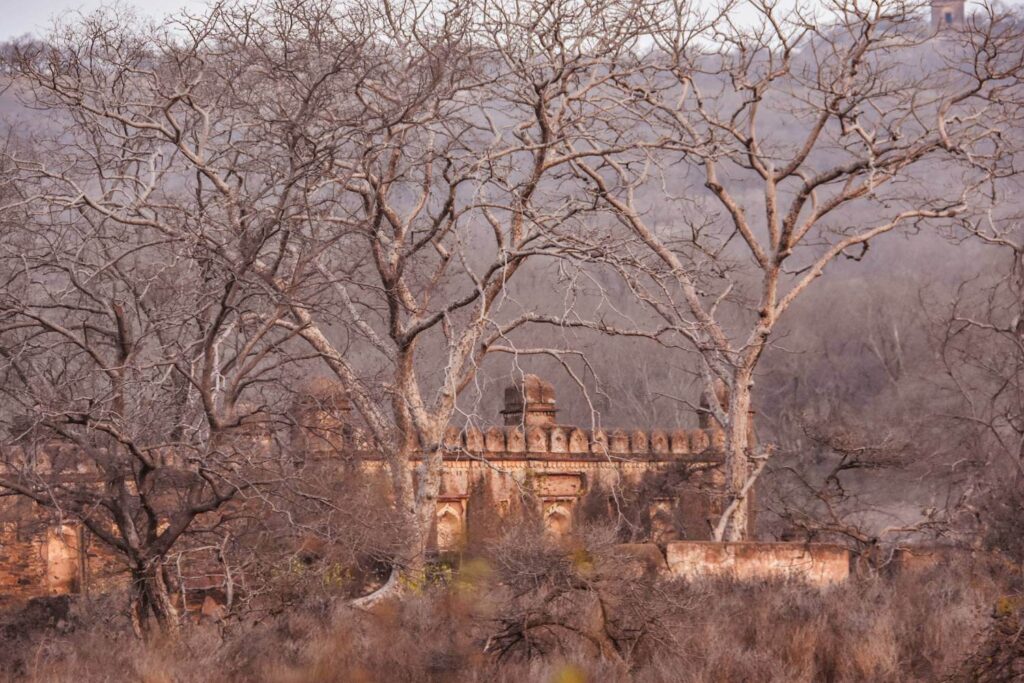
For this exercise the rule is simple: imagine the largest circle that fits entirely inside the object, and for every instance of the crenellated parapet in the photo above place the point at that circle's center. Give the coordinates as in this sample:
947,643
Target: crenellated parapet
559,442
324,424
530,432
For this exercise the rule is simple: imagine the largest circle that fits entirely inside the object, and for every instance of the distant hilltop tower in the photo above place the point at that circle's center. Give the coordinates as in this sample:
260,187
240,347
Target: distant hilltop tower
947,14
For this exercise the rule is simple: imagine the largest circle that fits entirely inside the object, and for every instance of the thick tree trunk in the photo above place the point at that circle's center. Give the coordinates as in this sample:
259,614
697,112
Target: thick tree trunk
152,610
428,489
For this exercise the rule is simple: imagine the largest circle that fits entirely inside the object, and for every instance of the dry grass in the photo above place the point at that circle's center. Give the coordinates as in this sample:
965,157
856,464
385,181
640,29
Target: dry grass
914,628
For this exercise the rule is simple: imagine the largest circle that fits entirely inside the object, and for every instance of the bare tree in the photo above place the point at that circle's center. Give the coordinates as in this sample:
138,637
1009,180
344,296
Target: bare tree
981,348
450,196
839,489
145,319
134,380
803,137
375,175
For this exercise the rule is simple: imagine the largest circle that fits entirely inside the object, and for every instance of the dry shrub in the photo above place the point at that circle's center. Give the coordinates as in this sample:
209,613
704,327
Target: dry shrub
915,627
910,628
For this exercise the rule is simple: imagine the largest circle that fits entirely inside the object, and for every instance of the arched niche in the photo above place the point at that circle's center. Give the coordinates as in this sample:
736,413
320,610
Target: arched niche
450,525
558,518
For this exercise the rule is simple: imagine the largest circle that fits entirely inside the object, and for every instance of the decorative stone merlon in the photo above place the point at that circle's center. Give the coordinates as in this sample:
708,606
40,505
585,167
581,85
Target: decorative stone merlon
515,442
659,441
638,442
474,440
536,440
559,440
680,442
494,441
579,442
619,442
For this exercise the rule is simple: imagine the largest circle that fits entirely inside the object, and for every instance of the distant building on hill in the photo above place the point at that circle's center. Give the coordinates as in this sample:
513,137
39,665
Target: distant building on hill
947,14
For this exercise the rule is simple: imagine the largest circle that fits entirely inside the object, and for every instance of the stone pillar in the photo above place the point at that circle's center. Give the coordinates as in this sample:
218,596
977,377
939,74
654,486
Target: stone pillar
530,403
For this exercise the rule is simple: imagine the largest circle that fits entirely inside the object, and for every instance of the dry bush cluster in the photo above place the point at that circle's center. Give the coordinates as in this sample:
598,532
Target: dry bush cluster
528,610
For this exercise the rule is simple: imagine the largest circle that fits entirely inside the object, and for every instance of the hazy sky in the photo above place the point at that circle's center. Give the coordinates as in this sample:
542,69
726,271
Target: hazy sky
35,16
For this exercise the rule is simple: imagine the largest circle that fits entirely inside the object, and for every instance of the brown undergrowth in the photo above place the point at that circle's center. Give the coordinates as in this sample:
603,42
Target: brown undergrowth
528,613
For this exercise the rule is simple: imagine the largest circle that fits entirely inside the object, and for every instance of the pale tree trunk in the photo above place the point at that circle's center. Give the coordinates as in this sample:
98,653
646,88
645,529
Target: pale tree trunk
429,426
402,479
425,507
742,462
408,570
737,462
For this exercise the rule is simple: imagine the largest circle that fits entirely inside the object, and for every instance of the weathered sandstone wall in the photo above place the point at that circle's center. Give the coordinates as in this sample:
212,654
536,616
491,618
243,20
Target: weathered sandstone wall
816,564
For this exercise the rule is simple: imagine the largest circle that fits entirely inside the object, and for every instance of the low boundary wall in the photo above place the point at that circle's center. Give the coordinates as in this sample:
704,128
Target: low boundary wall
816,564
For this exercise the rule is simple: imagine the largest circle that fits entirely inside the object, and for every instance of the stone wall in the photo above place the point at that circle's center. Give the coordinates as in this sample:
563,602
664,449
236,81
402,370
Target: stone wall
22,564
816,564
40,556
563,473
672,499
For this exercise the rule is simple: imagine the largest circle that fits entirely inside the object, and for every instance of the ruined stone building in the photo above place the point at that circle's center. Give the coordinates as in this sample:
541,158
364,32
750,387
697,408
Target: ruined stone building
663,484
661,488
660,485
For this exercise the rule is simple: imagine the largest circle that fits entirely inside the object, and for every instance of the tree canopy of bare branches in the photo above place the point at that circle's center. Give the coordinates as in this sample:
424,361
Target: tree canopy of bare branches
215,205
